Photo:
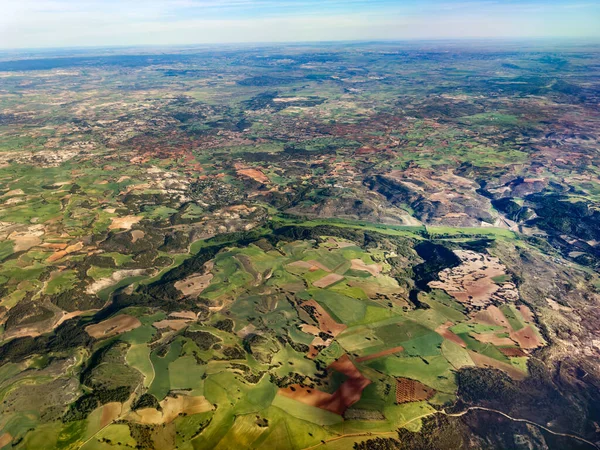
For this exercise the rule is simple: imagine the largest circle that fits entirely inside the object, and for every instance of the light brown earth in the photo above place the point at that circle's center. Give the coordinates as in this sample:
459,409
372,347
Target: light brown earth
471,282
173,324
485,361
328,280
359,264
194,284
125,222
319,265
172,407
491,316
191,315
526,313
5,439
491,338
26,239
137,234
117,276
113,326
256,175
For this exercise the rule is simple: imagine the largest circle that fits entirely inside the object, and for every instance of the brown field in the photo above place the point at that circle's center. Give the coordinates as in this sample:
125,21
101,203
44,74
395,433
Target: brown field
347,394
113,326
171,408
328,280
326,323
110,412
25,239
373,269
492,316
137,234
125,222
443,331
194,284
117,276
256,175
191,315
303,265
389,351
512,351
526,313
319,265
173,324
5,439
485,361
491,338
471,282
408,390
526,338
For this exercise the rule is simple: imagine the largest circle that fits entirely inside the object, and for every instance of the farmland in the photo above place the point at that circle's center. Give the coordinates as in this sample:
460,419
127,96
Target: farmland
300,247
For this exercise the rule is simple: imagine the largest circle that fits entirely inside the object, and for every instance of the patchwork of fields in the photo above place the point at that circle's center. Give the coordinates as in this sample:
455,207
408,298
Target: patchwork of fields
289,343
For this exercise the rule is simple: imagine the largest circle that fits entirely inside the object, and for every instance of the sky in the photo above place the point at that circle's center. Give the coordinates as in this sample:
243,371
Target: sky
74,23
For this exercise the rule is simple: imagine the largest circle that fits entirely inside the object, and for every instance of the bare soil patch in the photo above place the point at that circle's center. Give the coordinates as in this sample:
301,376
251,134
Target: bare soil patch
326,322
137,234
443,331
174,324
171,408
359,264
125,222
408,390
110,412
113,326
512,351
485,361
194,284
346,395
491,338
526,337
472,281
328,280
117,276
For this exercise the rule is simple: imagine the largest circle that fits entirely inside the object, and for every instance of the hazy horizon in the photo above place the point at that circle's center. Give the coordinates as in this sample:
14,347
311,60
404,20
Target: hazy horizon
34,24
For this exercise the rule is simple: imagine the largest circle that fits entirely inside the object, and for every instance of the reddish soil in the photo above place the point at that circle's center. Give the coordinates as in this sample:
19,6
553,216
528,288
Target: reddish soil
5,439
408,390
389,351
443,331
492,316
326,323
526,313
347,394
328,280
256,175
526,338
110,412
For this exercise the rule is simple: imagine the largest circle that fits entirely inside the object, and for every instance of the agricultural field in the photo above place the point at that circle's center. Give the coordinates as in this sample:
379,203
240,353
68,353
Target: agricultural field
300,247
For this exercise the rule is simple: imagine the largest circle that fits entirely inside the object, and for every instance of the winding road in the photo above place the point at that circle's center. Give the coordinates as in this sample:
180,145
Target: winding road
460,414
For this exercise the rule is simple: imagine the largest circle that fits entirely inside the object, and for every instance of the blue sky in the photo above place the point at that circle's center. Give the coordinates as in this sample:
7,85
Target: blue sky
63,23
